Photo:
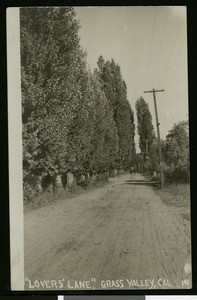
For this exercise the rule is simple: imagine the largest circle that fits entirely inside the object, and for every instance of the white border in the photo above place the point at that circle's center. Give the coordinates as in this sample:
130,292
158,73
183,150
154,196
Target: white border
15,149
15,154
172,297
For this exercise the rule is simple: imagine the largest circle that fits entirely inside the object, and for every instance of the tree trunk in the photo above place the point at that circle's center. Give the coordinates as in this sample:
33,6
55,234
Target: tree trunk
58,183
87,176
70,181
39,184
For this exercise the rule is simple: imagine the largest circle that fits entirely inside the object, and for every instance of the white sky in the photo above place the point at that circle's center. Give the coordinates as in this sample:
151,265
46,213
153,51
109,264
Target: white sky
150,45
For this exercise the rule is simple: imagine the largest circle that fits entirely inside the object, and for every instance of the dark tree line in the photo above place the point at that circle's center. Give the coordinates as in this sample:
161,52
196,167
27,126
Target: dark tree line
175,147
115,90
74,120
145,129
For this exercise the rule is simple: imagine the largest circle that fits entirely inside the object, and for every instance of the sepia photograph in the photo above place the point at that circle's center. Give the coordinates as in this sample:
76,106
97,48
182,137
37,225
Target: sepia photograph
99,166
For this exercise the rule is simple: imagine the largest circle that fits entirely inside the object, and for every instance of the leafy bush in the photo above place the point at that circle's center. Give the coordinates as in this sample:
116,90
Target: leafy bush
178,175
176,153
29,192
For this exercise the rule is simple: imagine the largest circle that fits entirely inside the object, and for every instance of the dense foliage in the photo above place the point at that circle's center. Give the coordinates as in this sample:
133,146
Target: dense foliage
71,122
175,148
116,92
176,152
145,128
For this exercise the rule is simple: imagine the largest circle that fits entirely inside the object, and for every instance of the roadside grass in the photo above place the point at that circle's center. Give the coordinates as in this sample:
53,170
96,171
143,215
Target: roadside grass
177,196
181,190
49,198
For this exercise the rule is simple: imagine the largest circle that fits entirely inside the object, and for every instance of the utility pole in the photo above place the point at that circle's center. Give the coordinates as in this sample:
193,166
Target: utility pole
134,155
147,158
158,134
146,154
142,160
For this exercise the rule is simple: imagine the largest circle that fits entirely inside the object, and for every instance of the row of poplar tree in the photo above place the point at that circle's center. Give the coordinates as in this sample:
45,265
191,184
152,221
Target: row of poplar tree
74,120
79,121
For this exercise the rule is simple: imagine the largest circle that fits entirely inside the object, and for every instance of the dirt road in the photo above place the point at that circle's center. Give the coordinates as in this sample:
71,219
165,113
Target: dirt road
118,236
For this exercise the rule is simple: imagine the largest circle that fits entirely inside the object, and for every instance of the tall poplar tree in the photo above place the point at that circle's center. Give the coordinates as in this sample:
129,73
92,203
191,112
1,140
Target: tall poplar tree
56,123
145,127
115,90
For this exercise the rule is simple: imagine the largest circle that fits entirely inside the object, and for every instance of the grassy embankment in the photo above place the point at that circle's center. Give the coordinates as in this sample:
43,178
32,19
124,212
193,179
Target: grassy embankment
49,198
177,197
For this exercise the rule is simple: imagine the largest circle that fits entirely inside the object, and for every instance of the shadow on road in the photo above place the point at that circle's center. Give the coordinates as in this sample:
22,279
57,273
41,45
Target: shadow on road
142,182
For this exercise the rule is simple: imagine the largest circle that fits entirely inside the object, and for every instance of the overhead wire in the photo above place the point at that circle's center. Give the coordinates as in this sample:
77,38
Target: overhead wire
173,64
152,36
160,44
171,51
140,78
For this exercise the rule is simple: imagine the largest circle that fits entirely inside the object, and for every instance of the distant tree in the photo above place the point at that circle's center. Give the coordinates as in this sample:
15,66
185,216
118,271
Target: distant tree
104,142
139,162
176,151
154,154
145,127
115,90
